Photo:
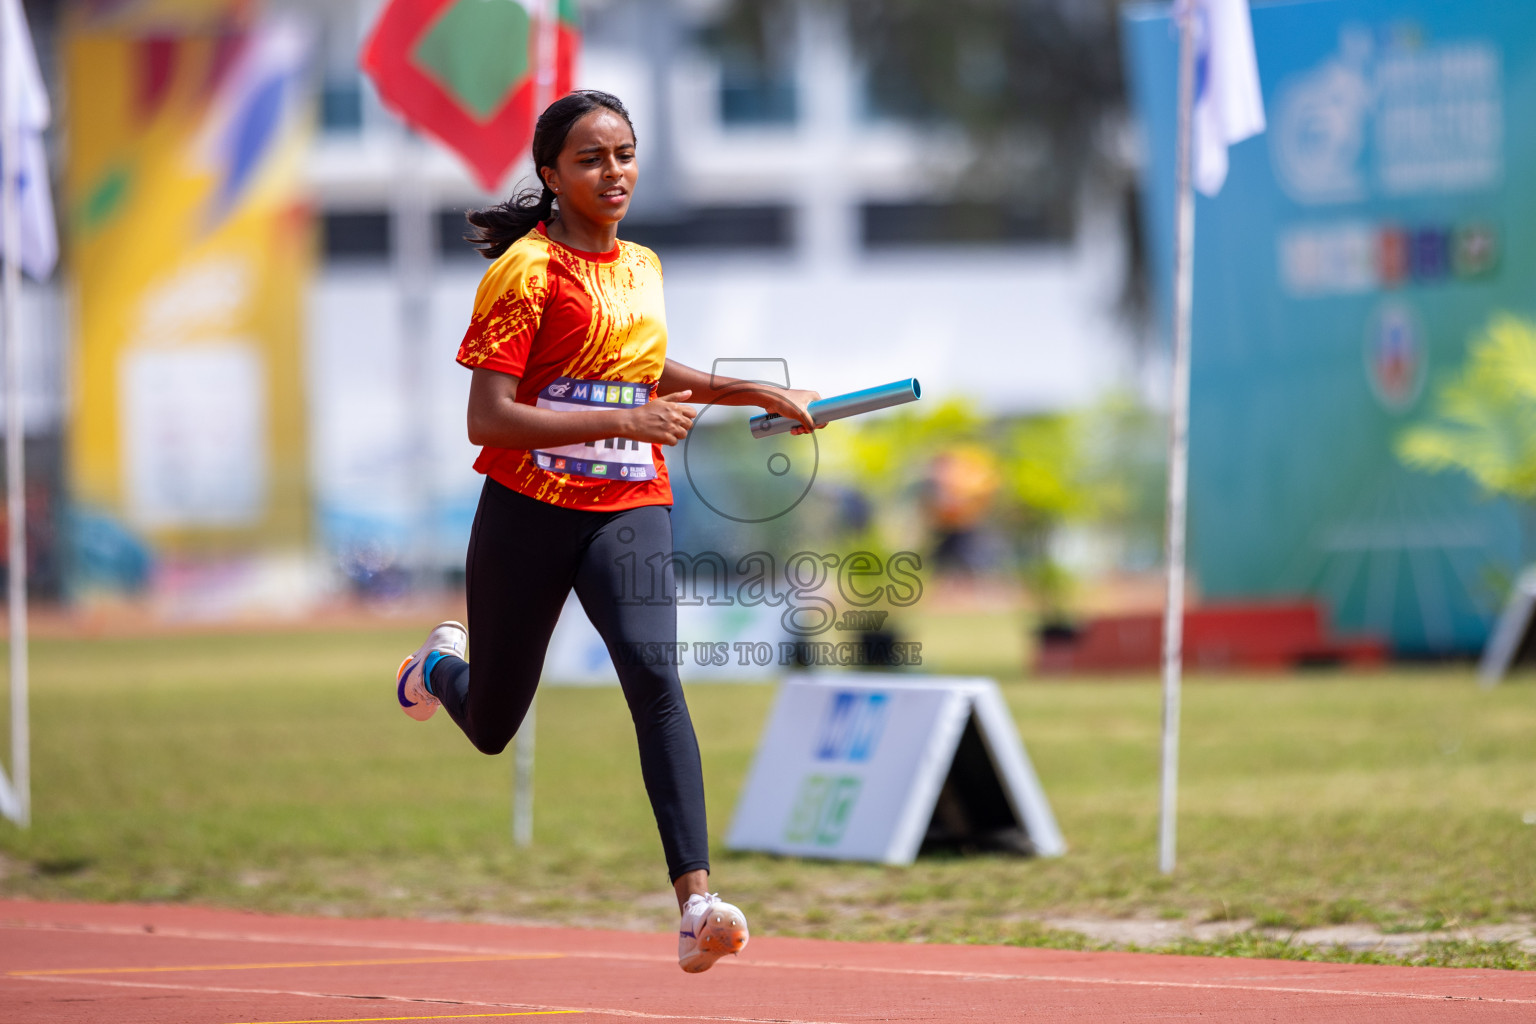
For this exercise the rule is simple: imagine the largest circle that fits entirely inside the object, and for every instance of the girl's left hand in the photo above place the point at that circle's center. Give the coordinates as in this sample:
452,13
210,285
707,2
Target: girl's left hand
791,404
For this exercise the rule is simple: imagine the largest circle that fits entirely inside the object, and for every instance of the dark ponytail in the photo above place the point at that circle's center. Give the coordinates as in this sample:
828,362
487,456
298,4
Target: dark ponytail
495,228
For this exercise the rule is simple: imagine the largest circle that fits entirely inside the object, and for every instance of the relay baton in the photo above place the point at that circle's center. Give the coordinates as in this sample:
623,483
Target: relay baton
839,407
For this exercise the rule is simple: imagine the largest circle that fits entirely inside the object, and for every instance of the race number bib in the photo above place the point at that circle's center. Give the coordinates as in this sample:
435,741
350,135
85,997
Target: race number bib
614,458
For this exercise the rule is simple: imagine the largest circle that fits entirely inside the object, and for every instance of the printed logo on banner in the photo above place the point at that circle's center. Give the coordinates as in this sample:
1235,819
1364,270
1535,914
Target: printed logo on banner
822,809
558,389
1394,356
852,727
1429,254
1475,250
1393,257
1393,113
1359,257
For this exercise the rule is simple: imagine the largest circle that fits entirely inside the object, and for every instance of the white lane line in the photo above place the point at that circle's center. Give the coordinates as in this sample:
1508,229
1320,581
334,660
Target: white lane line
373,998
394,961
158,932
1059,979
779,965
436,1016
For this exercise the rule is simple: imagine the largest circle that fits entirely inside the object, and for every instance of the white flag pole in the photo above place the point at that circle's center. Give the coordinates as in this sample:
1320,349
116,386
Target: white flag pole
15,476
522,779
546,56
1178,445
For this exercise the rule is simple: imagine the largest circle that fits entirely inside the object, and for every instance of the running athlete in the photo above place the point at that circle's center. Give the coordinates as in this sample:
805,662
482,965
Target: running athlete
571,395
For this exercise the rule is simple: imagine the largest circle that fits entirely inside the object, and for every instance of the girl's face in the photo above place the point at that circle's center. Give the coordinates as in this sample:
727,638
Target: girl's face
596,171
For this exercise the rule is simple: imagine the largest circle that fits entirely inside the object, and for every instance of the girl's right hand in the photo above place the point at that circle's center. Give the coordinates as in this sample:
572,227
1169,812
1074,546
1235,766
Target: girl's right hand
663,420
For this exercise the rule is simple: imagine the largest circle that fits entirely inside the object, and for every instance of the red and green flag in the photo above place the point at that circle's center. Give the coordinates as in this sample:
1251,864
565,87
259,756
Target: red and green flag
466,72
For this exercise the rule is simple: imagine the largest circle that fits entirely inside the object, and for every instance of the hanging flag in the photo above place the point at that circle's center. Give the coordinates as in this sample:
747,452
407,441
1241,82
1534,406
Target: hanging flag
1229,105
466,72
30,115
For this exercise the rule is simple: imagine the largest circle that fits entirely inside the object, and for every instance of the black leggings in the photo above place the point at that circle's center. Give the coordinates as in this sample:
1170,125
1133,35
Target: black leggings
524,557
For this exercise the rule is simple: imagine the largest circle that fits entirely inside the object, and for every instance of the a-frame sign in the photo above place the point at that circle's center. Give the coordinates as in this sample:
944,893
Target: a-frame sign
1514,640
881,767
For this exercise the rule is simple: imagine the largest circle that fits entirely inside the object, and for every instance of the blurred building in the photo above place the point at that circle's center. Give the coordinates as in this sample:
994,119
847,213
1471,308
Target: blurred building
793,219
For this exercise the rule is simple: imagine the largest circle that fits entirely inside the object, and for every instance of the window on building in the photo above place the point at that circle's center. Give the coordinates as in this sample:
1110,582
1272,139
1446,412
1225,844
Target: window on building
355,235
717,227
451,229
756,91
891,225
341,105
708,227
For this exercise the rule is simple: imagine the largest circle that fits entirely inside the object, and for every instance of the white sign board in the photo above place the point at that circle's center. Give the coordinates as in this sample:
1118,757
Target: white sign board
1511,637
867,767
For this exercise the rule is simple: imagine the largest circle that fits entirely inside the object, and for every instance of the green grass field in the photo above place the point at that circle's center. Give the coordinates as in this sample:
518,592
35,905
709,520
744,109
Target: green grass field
273,772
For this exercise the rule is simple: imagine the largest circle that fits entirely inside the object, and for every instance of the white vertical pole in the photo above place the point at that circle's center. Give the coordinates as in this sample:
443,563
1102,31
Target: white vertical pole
1178,446
15,475
522,780
546,44
547,57
412,238
828,218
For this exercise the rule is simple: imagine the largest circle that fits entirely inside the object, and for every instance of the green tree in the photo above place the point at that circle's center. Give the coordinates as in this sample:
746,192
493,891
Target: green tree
1038,462
1484,423
1043,488
1124,455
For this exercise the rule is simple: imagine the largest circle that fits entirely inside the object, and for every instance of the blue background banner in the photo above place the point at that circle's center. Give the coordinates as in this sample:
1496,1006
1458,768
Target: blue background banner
1359,245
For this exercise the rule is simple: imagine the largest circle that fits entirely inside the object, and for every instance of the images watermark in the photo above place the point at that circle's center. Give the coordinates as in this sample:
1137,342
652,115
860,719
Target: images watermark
833,606
819,595
861,579
784,653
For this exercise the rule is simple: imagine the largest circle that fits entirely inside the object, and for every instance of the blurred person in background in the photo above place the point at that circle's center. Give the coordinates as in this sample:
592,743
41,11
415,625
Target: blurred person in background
571,396
960,487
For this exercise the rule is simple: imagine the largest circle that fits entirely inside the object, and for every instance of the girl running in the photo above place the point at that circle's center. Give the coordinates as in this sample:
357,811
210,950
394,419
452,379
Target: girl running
571,395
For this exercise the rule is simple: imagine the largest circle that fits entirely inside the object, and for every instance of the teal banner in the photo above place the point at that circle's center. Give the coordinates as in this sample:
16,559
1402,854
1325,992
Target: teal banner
1359,245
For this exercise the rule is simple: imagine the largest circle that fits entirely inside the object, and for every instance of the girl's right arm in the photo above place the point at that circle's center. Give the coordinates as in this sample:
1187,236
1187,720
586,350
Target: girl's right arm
498,420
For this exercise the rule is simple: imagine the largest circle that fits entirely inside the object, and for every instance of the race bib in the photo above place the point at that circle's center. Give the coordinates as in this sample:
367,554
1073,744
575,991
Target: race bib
614,458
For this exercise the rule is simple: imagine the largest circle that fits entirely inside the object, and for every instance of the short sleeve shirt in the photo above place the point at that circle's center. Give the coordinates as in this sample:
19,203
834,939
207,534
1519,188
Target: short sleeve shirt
563,320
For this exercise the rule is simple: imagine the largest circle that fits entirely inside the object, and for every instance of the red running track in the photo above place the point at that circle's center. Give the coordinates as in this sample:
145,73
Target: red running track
126,964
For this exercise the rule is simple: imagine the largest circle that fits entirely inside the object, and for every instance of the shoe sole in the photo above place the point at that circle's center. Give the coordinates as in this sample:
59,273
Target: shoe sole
722,935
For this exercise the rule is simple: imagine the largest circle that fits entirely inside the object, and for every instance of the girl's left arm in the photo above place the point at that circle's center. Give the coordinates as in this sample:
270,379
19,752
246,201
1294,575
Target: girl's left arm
710,389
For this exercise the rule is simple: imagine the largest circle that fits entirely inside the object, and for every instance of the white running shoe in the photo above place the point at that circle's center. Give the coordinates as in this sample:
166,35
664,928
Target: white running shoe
410,687
711,928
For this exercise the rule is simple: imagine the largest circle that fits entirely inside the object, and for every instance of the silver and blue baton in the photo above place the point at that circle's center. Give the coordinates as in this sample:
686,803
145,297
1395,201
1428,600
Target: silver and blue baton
838,407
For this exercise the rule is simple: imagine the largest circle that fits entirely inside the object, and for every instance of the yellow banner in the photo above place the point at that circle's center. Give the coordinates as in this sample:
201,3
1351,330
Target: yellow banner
190,247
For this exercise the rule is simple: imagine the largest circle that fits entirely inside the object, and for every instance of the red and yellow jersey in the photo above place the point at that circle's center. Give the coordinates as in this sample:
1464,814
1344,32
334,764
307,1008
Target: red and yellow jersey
581,330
